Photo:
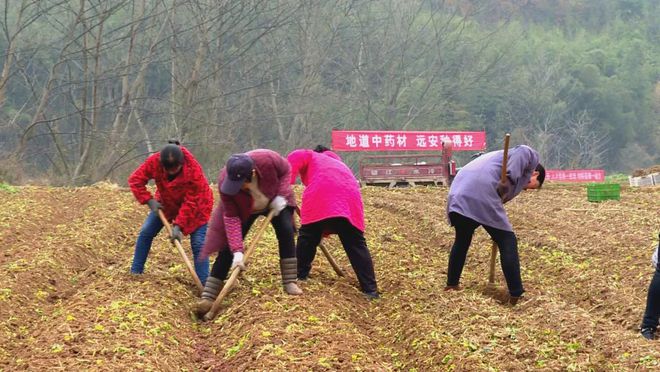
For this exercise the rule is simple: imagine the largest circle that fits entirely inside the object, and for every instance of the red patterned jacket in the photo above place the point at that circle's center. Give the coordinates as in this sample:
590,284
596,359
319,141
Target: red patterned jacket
187,200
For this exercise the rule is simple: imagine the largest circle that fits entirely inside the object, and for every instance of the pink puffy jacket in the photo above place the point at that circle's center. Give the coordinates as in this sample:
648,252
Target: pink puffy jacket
331,189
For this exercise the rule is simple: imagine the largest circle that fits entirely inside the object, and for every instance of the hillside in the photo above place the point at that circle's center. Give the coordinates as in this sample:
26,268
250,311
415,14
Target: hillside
68,302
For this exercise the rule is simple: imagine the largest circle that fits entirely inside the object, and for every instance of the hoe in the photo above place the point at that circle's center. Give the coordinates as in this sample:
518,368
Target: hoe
177,243
493,250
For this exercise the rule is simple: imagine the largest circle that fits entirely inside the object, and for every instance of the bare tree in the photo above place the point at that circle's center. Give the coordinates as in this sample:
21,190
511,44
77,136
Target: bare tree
136,67
108,80
88,125
27,13
413,60
39,116
586,148
540,117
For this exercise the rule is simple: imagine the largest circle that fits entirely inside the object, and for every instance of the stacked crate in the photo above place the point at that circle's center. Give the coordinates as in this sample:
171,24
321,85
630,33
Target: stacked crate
648,180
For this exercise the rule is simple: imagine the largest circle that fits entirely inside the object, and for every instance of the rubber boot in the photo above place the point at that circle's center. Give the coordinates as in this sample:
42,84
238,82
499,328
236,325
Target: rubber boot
289,268
211,290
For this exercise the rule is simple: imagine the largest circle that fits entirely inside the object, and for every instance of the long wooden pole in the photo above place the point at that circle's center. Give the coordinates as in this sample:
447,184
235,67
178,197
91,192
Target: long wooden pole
178,246
237,270
331,259
328,255
493,249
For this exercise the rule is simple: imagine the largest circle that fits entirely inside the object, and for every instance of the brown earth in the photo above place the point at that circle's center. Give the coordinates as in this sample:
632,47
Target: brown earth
68,302
647,171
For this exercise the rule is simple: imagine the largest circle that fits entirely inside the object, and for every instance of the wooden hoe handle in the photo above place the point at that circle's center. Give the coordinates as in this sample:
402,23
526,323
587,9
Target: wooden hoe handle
237,270
328,255
331,259
178,246
493,249
505,156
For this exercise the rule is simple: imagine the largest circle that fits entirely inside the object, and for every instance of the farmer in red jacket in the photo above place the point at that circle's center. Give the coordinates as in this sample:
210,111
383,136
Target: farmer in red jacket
251,184
183,194
331,204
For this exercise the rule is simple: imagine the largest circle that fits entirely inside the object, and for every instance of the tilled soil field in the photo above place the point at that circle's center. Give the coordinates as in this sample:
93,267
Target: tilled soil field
67,301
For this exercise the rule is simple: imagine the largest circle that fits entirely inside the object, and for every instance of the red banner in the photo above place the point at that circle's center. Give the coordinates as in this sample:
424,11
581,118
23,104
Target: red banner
375,140
575,175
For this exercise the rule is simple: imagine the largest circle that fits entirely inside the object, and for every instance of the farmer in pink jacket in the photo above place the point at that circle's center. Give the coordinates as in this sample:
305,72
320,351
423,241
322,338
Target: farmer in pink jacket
331,204
250,185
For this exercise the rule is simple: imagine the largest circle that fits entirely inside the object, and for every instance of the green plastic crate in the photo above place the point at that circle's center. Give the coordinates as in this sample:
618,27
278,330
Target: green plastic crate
603,191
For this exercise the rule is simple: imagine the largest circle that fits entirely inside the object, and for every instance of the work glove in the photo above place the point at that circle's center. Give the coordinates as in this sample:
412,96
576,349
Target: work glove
277,204
238,261
654,257
154,205
176,234
503,189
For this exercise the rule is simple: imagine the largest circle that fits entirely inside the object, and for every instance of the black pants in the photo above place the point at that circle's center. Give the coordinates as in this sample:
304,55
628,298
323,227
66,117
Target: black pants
506,241
283,224
354,244
652,312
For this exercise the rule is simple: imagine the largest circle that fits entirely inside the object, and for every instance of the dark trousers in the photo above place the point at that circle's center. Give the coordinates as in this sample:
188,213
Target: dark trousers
506,241
652,312
283,225
354,244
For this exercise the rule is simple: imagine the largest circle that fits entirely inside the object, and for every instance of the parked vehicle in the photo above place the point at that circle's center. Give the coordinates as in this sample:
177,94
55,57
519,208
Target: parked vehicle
409,170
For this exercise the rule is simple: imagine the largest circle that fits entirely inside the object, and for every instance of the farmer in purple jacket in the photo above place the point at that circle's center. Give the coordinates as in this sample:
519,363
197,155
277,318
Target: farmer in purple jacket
476,198
251,184
331,204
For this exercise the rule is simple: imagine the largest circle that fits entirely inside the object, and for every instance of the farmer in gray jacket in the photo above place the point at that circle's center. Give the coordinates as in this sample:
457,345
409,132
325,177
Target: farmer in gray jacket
476,198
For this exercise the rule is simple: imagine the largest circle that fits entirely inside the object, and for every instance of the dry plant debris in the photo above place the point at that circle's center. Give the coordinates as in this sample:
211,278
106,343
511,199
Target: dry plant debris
68,302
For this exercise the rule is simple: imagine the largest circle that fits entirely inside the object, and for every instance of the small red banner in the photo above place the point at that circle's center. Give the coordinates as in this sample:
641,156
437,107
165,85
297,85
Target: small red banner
374,140
575,175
